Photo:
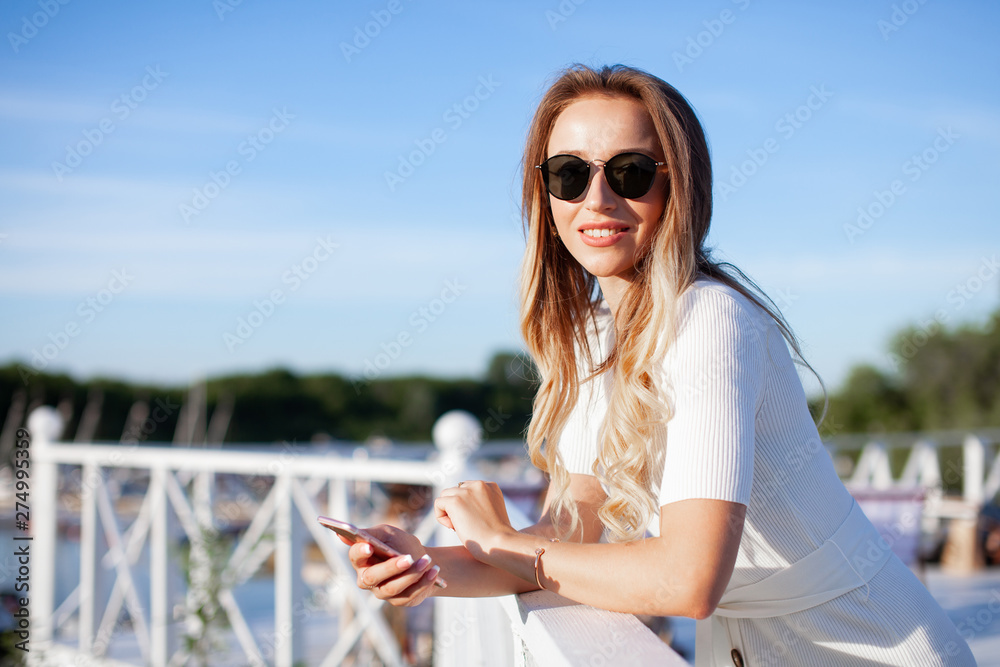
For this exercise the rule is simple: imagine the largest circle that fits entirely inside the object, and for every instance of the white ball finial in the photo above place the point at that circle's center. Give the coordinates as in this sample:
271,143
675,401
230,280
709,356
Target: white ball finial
457,430
45,422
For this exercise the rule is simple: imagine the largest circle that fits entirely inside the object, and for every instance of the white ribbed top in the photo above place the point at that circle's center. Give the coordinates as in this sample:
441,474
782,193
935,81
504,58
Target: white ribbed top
742,432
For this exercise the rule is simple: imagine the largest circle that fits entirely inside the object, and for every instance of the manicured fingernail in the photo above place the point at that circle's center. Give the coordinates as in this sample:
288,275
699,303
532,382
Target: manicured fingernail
366,549
404,561
435,571
424,561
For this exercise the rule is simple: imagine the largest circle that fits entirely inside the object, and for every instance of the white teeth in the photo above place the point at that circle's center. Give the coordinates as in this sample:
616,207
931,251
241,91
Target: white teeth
597,233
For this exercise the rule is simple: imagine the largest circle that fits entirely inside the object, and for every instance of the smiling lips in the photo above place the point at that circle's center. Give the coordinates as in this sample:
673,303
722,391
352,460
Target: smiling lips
601,235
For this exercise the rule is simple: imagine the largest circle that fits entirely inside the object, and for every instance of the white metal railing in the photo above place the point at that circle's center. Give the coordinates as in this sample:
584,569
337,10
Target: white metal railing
551,631
933,505
181,492
978,474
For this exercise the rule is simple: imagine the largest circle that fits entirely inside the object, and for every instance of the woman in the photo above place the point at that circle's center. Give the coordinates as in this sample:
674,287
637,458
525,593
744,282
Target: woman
668,400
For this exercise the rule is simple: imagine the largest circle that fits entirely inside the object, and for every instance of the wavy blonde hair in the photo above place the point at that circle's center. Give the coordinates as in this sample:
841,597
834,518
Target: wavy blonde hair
559,299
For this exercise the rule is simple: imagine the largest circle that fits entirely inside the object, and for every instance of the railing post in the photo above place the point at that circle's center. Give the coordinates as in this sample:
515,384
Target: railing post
923,467
160,580
974,466
872,468
337,506
288,586
45,426
991,485
457,642
89,479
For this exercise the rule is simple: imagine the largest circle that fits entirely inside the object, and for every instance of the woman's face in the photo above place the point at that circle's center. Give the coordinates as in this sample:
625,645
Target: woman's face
598,128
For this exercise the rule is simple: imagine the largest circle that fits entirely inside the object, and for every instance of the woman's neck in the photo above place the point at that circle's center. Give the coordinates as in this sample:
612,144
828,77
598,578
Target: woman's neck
613,289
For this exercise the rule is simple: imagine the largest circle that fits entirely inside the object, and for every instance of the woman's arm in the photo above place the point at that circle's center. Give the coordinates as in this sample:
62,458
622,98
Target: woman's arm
468,577
683,573
404,584
715,372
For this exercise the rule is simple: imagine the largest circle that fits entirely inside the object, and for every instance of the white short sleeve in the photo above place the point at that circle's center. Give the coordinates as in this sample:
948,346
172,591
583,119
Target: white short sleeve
713,377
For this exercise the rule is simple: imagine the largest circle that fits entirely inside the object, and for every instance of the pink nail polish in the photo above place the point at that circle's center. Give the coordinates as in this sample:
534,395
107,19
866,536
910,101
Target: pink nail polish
404,561
366,549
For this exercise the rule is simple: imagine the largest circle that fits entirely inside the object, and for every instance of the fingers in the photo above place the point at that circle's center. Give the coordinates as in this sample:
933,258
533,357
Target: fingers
360,554
441,503
375,574
420,574
415,594
401,581
361,551
441,513
467,485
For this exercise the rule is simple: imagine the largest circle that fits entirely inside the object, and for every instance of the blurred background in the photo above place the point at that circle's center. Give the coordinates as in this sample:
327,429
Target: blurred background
299,221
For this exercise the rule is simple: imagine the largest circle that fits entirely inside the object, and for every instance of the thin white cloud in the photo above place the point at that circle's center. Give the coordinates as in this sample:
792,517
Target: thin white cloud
877,271
45,182
982,123
199,265
32,107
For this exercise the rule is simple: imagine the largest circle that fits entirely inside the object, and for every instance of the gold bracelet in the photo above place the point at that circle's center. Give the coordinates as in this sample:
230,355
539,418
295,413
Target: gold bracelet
538,559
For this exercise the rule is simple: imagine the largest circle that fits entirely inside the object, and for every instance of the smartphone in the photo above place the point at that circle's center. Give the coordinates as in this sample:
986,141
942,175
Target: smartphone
355,535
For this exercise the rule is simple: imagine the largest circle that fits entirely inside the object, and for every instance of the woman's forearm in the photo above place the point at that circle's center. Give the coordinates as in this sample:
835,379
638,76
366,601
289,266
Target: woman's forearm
467,577
663,577
628,577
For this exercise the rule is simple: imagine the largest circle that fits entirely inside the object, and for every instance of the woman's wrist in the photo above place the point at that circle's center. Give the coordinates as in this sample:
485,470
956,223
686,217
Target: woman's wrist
469,577
490,552
515,553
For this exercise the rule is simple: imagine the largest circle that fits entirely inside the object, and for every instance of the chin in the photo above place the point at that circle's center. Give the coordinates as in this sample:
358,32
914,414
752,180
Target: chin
617,272
606,269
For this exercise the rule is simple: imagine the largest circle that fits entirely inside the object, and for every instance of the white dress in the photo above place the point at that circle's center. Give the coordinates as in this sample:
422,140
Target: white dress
742,432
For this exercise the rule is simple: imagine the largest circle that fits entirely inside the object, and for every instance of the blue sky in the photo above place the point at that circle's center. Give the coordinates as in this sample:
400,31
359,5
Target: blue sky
342,177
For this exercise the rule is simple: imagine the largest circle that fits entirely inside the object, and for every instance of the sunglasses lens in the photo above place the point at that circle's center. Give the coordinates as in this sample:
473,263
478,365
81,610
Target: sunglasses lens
565,176
630,175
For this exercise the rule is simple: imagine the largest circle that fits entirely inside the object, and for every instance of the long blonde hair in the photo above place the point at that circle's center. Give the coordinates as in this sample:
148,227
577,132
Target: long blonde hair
559,298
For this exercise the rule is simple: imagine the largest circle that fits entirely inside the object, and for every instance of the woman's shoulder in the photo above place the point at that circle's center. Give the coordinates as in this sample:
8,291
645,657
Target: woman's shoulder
711,301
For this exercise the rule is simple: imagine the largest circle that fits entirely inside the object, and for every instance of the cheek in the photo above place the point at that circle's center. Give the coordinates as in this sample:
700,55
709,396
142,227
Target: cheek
650,210
562,212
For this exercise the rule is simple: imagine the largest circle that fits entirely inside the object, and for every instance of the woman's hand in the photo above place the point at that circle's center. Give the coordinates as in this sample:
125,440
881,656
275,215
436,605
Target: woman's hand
403,581
476,512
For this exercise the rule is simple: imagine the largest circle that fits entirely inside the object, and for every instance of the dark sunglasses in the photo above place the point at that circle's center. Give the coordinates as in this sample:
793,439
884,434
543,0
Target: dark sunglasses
630,175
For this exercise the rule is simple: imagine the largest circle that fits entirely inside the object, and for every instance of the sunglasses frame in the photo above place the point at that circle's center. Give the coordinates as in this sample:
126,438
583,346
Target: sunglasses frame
600,164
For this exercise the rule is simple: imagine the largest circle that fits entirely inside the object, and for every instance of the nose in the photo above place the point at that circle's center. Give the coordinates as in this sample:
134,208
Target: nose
600,196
